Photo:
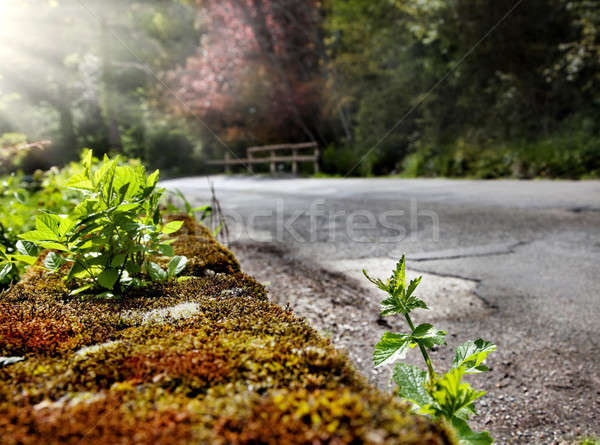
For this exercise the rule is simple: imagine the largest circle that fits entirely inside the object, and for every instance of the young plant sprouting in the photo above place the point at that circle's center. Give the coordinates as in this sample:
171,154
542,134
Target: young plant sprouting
443,397
111,236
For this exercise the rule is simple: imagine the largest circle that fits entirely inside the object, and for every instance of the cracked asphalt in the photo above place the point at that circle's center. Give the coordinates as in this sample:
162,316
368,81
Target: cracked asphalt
532,247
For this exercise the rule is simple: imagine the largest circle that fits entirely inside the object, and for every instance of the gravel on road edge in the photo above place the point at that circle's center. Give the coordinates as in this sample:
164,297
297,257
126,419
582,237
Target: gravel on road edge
538,393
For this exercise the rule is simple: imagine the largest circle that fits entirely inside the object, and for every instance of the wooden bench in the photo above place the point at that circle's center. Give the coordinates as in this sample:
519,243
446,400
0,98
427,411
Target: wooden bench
274,157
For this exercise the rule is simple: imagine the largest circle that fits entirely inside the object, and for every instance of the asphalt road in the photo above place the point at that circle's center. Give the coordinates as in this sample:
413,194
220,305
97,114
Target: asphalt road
533,247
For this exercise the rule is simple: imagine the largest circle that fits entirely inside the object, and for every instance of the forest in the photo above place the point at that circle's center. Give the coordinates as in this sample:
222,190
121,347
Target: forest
457,88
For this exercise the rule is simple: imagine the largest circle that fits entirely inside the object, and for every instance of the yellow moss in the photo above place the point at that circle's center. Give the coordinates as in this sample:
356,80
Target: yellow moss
235,369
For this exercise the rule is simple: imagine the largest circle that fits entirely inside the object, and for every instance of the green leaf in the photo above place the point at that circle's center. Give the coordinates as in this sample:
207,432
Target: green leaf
176,265
20,197
118,260
411,383
471,354
426,335
80,181
165,249
53,261
152,179
27,248
5,270
80,290
398,279
172,227
390,348
86,158
76,271
155,272
66,225
26,259
108,278
123,208
39,235
396,305
376,281
466,436
52,245
452,395
412,286
48,222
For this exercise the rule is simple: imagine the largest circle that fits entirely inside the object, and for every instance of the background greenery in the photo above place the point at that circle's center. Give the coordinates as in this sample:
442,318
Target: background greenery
482,88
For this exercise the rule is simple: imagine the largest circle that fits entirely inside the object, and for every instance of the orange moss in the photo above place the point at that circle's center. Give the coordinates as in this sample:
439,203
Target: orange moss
332,417
234,369
108,420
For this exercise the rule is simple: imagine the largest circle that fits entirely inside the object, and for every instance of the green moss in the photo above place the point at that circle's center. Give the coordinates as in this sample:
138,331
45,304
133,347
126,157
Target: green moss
206,359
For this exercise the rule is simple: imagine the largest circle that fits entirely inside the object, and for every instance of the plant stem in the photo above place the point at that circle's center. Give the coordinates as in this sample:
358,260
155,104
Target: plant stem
430,370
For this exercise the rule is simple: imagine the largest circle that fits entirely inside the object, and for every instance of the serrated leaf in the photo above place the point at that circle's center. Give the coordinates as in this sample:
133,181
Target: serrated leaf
376,281
426,335
453,395
398,279
390,348
412,286
53,261
471,354
108,278
156,272
396,305
466,436
176,265
27,248
411,382
172,227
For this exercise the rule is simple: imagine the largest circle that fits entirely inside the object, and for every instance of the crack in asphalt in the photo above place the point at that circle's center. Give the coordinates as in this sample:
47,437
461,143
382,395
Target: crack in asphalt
476,251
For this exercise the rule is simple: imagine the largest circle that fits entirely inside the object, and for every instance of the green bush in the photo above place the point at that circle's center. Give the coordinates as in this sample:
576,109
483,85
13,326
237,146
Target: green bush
110,237
568,154
340,161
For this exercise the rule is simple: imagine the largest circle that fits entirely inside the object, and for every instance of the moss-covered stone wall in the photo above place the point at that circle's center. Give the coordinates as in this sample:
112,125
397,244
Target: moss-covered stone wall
206,359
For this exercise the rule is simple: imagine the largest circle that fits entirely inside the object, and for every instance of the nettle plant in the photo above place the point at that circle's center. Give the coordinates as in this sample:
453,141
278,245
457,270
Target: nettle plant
443,397
111,237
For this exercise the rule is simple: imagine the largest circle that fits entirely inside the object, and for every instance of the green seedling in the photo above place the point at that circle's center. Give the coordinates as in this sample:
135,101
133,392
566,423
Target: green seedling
109,240
443,397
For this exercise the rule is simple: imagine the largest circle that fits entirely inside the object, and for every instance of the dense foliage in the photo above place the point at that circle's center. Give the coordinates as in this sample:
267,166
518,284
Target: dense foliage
443,396
101,220
110,238
484,88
